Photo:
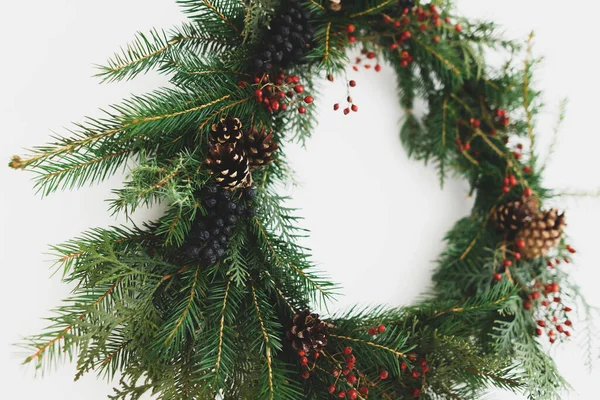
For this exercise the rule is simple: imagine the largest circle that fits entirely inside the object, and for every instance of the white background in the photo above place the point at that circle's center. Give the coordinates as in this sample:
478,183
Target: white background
377,218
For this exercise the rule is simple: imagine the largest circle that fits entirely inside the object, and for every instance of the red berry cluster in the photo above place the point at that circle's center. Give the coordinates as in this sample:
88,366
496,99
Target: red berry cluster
552,317
349,382
280,92
350,105
369,55
416,374
374,331
502,117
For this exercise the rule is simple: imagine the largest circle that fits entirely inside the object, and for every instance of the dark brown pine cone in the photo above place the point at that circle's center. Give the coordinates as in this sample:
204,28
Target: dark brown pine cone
260,146
230,165
227,130
308,332
515,215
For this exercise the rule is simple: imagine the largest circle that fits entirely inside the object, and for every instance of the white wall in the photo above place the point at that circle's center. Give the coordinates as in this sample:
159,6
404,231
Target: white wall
379,241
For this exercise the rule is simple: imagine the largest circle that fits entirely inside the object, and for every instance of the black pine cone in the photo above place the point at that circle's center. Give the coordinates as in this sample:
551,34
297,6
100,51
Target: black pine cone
230,165
260,147
308,332
288,40
513,216
208,239
227,130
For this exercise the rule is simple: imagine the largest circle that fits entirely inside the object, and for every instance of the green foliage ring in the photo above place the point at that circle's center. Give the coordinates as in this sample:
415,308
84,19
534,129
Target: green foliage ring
182,331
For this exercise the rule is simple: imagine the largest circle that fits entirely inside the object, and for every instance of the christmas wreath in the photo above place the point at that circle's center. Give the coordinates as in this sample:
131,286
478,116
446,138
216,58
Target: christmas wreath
217,298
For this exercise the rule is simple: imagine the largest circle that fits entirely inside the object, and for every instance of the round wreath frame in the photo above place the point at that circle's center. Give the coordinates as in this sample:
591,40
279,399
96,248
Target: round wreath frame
230,329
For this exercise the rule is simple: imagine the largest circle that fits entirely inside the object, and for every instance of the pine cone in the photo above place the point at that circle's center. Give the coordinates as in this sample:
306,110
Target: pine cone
515,215
227,130
260,147
542,234
289,39
230,164
308,332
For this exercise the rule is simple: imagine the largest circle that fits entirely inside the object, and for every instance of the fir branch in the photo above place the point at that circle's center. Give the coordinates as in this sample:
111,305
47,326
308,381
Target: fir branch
266,339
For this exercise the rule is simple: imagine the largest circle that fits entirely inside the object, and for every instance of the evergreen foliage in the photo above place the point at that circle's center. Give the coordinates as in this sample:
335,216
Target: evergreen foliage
186,331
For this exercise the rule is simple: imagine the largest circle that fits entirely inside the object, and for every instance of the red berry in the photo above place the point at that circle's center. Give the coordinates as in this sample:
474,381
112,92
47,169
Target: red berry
299,88
406,35
497,277
513,180
331,389
538,332
351,379
275,105
468,146
527,305
377,68
416,393
330,78
381,328
517,256
507,263
403,366
436,39
352,83
520,244
341,394
568,323
308,99
423,27
348,350
384,374
283,107
527,192
404,63
303,361
568,309
336,107
505,189
350,28
302,110
301,353
351,39
352,394
335,373
354,107
541,323
346,111
527,169
370,55
458,28
372,331
568,333
364,390
305,375
415,374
